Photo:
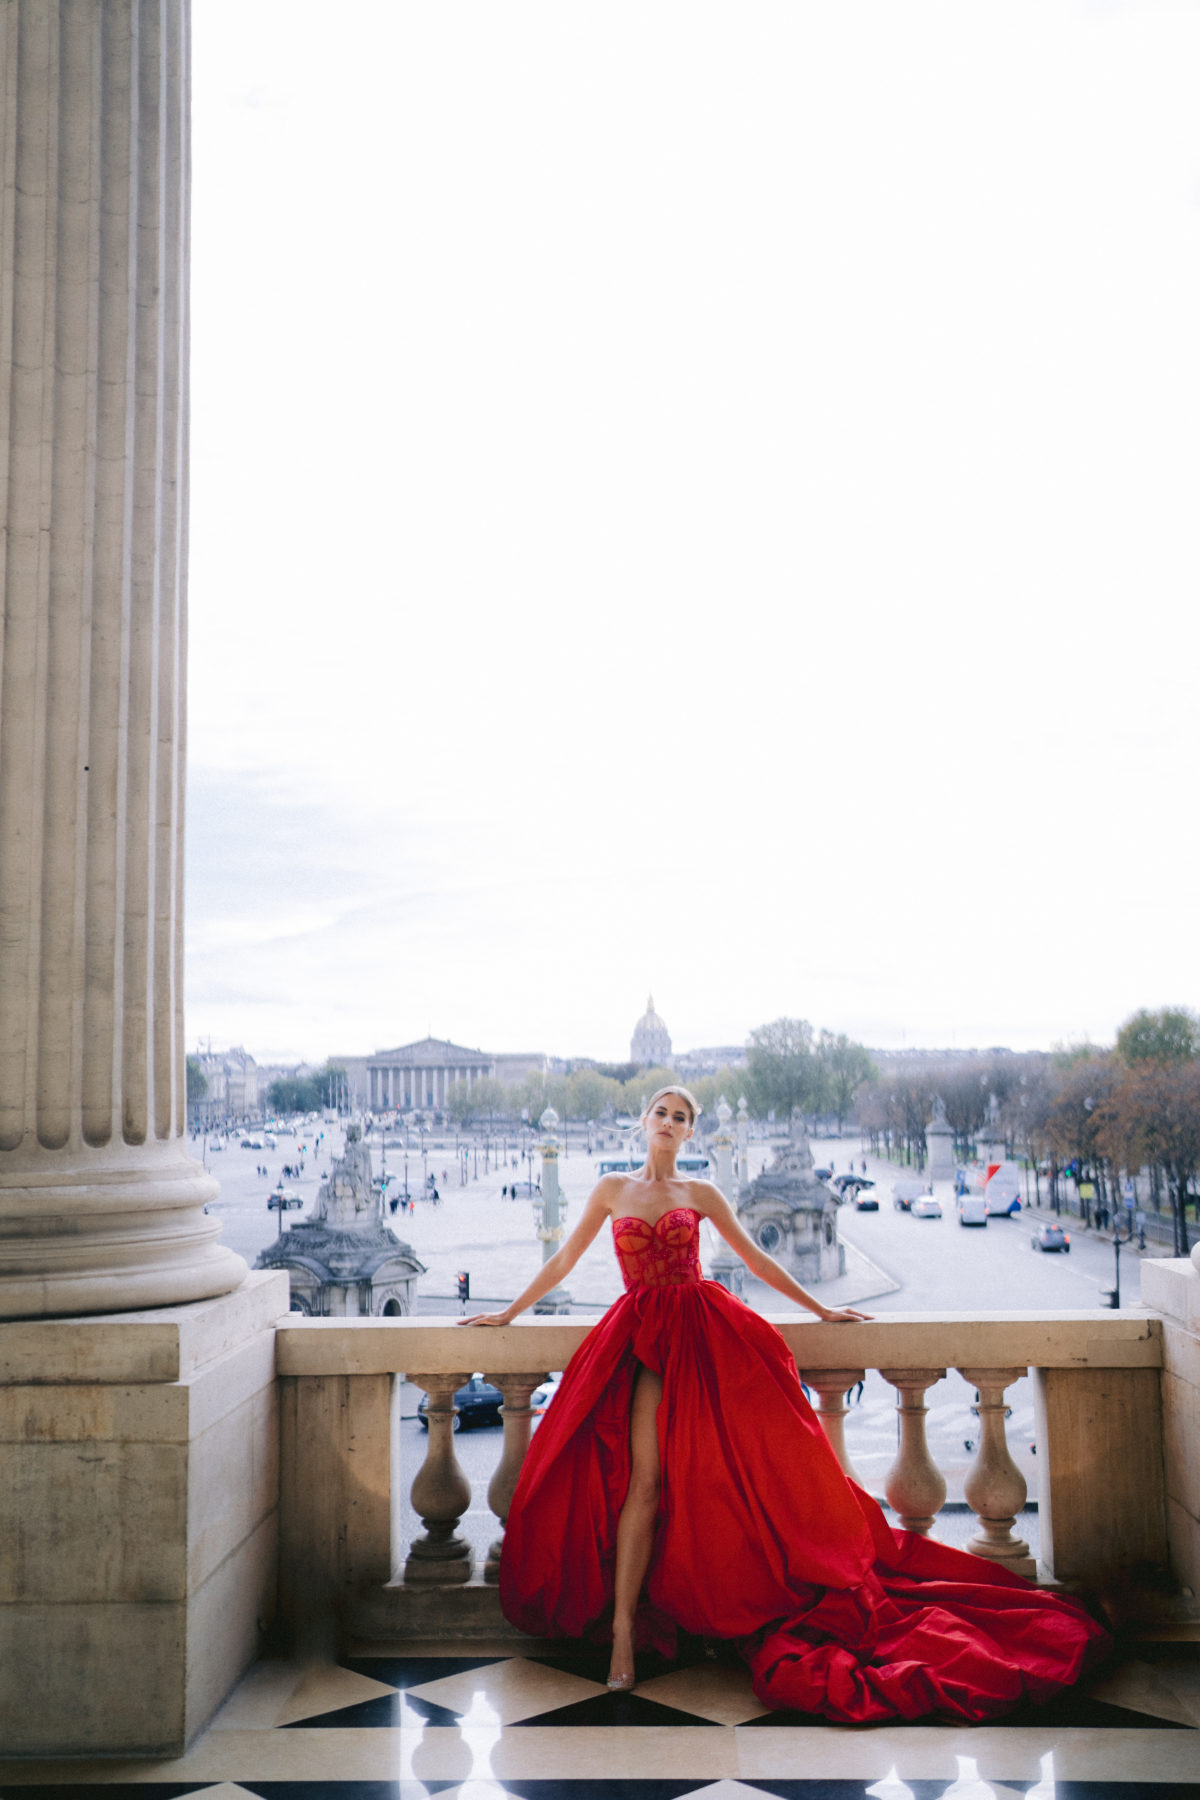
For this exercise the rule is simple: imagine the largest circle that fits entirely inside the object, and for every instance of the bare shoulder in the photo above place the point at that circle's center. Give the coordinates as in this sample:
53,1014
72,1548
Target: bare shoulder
607,1191
705,1197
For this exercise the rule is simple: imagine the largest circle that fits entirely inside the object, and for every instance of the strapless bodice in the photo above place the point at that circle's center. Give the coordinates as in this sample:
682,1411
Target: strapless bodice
665,1254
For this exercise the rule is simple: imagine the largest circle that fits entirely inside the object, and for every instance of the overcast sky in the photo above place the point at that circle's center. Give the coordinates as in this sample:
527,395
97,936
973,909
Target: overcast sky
697,499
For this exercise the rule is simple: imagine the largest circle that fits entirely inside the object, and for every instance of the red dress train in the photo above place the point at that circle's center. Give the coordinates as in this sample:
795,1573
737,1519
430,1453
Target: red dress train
760,1537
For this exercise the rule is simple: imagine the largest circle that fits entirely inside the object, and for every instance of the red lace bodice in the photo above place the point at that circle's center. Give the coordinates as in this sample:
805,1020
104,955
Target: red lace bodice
665,1254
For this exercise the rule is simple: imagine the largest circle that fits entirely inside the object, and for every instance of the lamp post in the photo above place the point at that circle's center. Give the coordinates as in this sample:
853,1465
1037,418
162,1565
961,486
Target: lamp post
550,1213
726,1267
1118,1240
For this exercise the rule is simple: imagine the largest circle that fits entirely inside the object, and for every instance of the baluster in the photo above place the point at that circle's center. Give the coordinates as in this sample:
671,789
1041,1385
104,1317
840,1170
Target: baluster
518,1422
915,1486
995,1488
831,1387
441,1493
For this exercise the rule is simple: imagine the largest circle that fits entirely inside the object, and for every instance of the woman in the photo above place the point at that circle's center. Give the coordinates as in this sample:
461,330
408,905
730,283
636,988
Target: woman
681,1480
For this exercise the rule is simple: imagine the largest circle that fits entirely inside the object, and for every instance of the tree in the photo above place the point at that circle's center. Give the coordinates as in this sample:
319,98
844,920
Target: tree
1026,1110
197,1080
709,1088
619,1072
845,1067
964,1093
782,1075
484,1099
638,1089
1167,1037
1152,1115
1076,1113
589,1093
895,1110
537,1093
295,1094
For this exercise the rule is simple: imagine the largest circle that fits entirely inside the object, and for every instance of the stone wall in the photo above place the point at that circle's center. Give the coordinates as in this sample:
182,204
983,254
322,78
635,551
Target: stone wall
1173,1289
139,1519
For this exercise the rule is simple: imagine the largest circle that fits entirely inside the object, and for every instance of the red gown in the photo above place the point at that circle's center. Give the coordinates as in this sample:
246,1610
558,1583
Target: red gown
760,1536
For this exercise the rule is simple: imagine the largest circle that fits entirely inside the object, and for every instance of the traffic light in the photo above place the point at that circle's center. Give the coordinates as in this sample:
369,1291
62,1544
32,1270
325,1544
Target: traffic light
464,1287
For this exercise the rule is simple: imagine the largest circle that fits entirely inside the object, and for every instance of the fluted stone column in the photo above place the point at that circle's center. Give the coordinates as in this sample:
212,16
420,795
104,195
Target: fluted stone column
101,1209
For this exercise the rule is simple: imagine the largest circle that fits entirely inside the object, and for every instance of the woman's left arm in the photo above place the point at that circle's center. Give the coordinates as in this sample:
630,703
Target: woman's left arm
717,1208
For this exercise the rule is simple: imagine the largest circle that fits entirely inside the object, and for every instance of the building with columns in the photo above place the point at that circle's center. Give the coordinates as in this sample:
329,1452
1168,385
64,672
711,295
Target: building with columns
421,1077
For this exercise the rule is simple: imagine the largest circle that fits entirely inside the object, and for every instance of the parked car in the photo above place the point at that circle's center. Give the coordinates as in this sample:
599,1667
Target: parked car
478,1403
925,1206
284,1202
541,1397
1048,1236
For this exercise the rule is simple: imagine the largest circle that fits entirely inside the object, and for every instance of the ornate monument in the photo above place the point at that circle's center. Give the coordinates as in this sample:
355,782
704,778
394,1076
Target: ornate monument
794,1216
344,1262
939,1143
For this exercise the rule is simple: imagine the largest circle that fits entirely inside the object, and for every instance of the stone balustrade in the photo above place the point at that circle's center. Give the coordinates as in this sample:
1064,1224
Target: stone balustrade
344,1570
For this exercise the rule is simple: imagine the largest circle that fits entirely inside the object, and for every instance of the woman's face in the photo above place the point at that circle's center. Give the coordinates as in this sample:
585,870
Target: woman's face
669,1120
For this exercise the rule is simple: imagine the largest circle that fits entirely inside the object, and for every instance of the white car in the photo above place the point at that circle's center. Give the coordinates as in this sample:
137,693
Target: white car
541,1397
925,1206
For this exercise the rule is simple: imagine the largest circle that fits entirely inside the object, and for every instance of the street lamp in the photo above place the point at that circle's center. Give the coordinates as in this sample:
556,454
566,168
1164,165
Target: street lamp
1118,1240
550,1213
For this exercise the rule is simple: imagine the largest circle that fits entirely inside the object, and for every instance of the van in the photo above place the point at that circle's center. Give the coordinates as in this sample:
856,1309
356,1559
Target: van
906,1189
1002,1188
972,1209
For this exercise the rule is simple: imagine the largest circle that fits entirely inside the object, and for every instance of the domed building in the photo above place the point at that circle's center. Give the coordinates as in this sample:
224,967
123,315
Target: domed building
650,1045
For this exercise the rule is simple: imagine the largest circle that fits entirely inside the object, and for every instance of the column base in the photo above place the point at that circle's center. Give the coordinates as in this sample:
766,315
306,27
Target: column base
113,1230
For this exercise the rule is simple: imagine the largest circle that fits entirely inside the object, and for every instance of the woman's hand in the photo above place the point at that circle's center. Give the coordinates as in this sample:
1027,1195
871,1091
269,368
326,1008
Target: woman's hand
500,1318
830,1316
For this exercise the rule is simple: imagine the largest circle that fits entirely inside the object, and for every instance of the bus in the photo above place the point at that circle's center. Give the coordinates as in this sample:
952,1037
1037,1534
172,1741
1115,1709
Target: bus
625,1165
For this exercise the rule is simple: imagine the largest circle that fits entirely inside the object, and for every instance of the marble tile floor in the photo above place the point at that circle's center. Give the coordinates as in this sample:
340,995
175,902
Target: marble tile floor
480,1721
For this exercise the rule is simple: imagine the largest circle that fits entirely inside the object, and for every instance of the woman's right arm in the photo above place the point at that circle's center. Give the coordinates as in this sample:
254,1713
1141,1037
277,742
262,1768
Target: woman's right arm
595,1212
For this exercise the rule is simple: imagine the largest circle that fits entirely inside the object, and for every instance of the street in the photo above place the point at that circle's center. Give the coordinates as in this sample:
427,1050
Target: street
946,1267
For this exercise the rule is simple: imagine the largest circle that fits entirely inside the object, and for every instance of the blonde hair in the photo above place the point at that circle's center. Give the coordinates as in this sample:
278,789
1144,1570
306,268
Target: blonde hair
689,1100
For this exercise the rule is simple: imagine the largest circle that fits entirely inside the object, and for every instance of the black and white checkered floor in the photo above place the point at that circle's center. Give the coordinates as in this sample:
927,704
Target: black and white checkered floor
478,1721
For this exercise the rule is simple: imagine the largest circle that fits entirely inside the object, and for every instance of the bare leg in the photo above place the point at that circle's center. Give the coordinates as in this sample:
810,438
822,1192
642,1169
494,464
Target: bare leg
635,1527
